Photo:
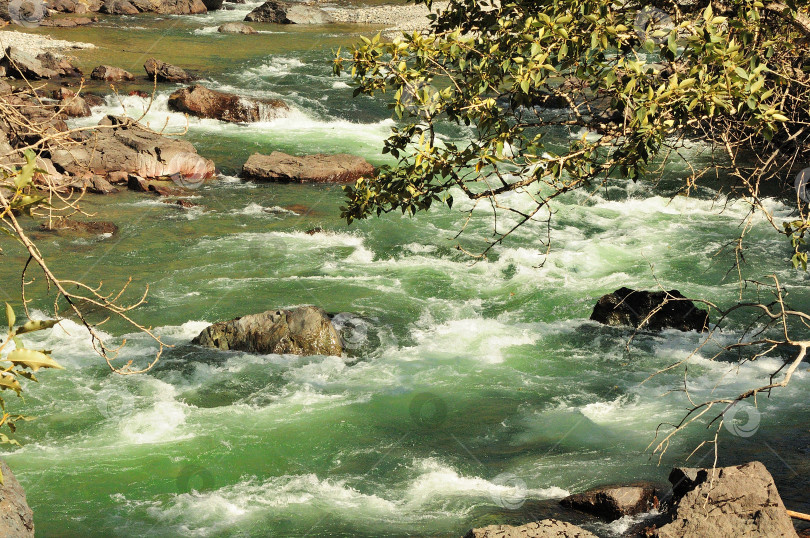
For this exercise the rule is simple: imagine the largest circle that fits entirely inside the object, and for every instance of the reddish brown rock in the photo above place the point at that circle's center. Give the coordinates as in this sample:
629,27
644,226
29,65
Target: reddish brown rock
278,166
71,104
200,101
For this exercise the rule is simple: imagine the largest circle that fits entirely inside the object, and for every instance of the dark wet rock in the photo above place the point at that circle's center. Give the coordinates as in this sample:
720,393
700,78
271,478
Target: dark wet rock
278,166
16,517
235,28
306,330
613,502
137,184
213,5
199,101
19,63
271,11
71,104
740,501
93,100
109,73
283,13
547,528
165,72
62,65
80,227
655,309
313,231
126,146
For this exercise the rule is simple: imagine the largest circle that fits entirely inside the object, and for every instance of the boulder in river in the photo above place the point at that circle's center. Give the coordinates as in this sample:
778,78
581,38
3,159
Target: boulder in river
547,528
165,72
126,146
71,104
109,73
20,63
63,65
16,517
654,310
740,501
213,5
284,13
200,101
306,330
278,166
235,28
613,502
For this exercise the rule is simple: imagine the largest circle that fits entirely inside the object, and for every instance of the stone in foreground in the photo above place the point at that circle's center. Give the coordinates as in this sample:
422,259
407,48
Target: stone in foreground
306,330
614,502
739,501
654,310
16,517
199,101
278,166
548,528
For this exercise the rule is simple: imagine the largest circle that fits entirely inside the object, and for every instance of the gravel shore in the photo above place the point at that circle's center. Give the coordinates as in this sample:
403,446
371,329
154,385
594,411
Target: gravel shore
407,18
36,44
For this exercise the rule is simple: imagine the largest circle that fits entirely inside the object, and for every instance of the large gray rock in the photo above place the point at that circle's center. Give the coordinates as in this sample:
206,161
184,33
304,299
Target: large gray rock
278,166
293,13
16,517
739,501
126,146
271,11
652,310
165,72
307,14
548,528
19,63
200,101
307,330
613,502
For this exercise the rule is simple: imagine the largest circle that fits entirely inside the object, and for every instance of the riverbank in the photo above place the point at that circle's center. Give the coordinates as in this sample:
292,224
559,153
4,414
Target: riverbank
406,18
35,44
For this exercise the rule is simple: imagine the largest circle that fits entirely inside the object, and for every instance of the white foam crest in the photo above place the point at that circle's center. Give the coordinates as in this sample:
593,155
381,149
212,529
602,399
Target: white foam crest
161,423
275,67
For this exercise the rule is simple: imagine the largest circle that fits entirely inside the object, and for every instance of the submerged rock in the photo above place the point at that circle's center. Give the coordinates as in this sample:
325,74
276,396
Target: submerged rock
165,72
740,501
80,227
306,330
109,73
202,102
613,502
278,166
16,517
126,146
547,528
653,310
235,28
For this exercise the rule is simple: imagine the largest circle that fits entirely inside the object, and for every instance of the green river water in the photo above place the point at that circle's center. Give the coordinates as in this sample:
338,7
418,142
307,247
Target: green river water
471,393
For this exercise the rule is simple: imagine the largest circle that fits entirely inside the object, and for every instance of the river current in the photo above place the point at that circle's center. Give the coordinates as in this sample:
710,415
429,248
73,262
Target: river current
470,394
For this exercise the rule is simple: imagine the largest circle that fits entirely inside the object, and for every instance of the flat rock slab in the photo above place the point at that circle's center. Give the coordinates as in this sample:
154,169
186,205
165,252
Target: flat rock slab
548,528
319,168
740,501
306,330
614,502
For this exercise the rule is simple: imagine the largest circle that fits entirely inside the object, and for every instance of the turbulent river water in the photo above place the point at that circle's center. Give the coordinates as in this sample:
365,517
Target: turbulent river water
471,393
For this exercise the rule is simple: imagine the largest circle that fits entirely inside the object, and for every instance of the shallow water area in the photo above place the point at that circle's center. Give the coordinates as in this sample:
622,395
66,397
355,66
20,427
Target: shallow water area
471,392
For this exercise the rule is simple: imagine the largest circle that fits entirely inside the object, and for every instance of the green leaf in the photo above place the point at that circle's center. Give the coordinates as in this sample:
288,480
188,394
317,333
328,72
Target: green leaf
37,325
10,316
29,358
